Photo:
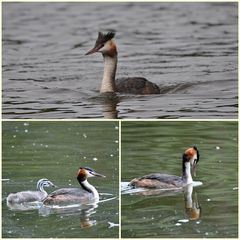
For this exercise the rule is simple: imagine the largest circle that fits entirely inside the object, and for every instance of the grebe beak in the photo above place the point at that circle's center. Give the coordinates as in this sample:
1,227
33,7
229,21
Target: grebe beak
95,49
52,185
194,168
98,175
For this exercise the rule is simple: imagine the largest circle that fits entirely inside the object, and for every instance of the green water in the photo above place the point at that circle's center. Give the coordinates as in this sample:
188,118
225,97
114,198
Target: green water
55,150
149,147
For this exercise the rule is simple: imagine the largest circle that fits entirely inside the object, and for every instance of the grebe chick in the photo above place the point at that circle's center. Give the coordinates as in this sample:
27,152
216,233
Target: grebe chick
134,85
164,181
31,196
76,195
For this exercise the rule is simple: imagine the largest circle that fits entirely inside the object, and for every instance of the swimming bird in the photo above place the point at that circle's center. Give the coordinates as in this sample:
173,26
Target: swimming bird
134,85
31,196
165,181
85,194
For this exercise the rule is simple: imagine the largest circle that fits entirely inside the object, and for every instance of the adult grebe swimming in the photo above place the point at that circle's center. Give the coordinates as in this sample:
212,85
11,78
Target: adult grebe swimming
31,196
134,85
164,181
76,195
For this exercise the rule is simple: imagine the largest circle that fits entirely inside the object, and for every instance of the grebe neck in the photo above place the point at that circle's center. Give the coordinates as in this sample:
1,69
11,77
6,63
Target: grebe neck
40,187
186,176
110,68
90,188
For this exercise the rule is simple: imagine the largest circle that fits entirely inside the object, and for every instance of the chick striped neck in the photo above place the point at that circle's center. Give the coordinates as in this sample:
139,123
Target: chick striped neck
40,186
110,68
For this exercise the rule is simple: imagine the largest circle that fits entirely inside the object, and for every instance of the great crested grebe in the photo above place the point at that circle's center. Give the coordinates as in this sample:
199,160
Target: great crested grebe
164,181
134,85
76,195
31,196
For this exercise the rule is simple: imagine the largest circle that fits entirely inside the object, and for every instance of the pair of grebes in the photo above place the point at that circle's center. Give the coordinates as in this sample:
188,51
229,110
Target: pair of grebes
88,193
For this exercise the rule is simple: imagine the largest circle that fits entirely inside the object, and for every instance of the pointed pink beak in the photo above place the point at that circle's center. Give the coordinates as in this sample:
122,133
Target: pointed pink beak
95,49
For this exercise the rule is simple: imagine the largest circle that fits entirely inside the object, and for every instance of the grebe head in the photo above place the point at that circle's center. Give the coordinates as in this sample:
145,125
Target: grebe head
191,155
86,172
44,183
104,44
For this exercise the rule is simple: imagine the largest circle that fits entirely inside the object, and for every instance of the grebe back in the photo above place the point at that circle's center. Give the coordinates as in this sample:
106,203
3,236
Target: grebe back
76,195
31,196
165,181
133,85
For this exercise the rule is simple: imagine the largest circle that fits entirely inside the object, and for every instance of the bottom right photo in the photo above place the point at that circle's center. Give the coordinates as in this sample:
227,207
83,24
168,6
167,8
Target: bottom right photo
179,179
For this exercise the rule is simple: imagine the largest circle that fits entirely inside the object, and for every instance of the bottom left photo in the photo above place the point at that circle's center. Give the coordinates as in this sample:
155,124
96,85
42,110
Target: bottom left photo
60,179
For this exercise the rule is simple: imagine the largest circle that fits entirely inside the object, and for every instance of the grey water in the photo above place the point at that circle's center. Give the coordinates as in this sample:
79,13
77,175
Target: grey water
56,150
189,49
157,147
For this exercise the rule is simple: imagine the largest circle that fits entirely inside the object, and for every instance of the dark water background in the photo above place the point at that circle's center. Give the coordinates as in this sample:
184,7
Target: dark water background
149,147
188,49
56,150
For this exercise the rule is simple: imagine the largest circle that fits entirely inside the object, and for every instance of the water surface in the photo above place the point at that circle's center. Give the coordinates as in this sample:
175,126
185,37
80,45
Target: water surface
149,147
55,150
189,49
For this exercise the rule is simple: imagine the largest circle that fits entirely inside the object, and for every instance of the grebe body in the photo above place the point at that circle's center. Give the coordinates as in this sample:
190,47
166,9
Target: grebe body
76,195
132,85
31,196
165,181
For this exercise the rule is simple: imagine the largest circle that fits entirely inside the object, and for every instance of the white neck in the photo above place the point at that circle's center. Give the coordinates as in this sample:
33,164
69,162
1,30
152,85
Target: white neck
187,177
110,67
188,196
85,184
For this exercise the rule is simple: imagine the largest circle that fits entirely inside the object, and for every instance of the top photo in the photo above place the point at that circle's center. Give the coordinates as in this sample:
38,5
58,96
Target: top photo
120,60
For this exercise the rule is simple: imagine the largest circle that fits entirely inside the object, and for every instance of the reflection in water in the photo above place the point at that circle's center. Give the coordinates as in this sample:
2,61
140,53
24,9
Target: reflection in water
192,208
109,103
84,212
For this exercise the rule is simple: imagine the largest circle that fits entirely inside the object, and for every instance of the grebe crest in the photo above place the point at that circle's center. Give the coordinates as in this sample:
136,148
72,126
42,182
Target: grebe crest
86,172
134,85
104,44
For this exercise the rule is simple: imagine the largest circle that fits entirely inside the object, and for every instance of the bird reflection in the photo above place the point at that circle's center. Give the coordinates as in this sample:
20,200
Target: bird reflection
83,211
191,205
192,208
109,102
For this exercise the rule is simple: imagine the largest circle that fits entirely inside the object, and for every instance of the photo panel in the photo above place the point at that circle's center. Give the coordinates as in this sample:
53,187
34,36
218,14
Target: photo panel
179,179
126,60
75,166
